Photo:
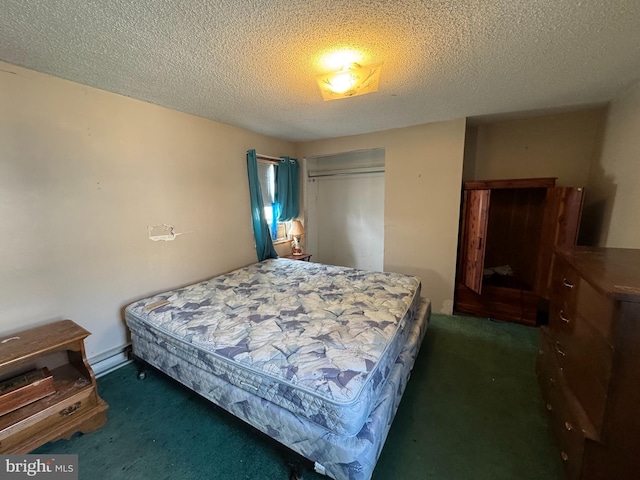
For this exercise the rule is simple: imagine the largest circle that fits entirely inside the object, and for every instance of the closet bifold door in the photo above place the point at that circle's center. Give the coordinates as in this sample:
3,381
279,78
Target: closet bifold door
475,220
561,222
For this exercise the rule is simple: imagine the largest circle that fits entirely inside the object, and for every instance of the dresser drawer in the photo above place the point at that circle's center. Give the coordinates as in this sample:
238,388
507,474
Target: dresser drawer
547,369
564,286
563,297
56,414
585,360
565,426
569,437
562,316
571,295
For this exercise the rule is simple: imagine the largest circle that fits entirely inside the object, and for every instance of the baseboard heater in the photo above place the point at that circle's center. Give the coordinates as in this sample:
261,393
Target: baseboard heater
111,360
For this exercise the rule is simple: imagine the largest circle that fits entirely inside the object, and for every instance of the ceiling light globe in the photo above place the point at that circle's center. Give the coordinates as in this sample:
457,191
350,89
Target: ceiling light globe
343,82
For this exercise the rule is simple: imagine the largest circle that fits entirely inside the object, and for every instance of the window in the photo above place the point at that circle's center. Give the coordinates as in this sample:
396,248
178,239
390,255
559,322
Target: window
267,175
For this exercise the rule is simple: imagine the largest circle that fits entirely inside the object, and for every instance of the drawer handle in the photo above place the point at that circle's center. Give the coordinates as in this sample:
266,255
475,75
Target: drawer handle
568,426
567,283
564,456
10,339
549,407
562,317
558,349
70,410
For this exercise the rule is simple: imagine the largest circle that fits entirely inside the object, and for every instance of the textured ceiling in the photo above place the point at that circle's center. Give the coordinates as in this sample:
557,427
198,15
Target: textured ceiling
252,63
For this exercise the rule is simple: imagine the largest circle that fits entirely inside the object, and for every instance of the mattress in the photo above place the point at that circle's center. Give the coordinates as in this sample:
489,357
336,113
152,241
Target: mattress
338,456
314,339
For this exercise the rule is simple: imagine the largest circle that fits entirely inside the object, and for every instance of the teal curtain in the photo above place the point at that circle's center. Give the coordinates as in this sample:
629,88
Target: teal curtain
273,228
287,189
264,245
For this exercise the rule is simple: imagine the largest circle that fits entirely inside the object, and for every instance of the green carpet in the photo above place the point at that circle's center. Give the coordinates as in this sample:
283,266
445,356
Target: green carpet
472,410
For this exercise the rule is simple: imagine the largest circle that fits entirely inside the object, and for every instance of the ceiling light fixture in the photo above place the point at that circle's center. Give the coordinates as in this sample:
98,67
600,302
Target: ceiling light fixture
349,81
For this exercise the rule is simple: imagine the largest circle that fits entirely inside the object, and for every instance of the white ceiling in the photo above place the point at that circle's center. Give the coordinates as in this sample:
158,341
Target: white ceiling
252,63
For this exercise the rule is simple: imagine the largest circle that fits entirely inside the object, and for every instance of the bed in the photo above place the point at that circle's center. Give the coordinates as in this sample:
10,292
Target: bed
315,356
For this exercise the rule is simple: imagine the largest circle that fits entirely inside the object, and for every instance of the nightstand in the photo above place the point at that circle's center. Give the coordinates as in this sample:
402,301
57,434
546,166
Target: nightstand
304,257
75,404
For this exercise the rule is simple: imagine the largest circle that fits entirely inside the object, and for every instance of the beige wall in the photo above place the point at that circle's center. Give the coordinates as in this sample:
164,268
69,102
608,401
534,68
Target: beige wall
561,145
423,171
614,180
470,153
83,173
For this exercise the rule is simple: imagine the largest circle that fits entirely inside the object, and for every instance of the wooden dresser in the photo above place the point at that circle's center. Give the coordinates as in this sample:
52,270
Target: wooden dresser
74,406
588,364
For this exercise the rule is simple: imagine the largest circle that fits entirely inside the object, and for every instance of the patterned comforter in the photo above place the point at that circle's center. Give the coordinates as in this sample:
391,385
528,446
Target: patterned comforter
315,339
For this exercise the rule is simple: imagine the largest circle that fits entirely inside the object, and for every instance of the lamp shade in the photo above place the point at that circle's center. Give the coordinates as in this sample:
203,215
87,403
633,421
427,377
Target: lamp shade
296,228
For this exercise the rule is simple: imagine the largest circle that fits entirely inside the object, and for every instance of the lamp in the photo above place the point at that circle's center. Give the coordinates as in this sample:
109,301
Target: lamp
350,81
296,231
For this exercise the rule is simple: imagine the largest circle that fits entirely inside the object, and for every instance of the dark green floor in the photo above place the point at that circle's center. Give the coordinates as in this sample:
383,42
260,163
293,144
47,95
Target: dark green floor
472,410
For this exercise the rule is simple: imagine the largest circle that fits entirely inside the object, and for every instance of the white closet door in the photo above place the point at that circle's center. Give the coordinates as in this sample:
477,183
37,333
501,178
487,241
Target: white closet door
346,220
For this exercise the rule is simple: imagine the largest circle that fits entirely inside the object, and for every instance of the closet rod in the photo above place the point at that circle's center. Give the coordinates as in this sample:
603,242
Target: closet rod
348,171
267,157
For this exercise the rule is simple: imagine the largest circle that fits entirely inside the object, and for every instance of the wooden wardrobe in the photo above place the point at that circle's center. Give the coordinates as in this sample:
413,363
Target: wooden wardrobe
508,229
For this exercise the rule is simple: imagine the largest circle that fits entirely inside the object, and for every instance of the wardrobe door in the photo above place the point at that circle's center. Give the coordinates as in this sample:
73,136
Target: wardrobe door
563,206
476,209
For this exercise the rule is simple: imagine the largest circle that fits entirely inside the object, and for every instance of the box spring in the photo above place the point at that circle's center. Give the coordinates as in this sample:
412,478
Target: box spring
342,457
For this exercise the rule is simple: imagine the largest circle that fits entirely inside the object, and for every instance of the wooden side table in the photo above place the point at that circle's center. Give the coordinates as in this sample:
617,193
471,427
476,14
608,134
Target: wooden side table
304,257
74,407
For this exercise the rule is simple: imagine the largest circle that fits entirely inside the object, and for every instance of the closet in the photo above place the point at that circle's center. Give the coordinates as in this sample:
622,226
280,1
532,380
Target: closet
344,199
508,229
